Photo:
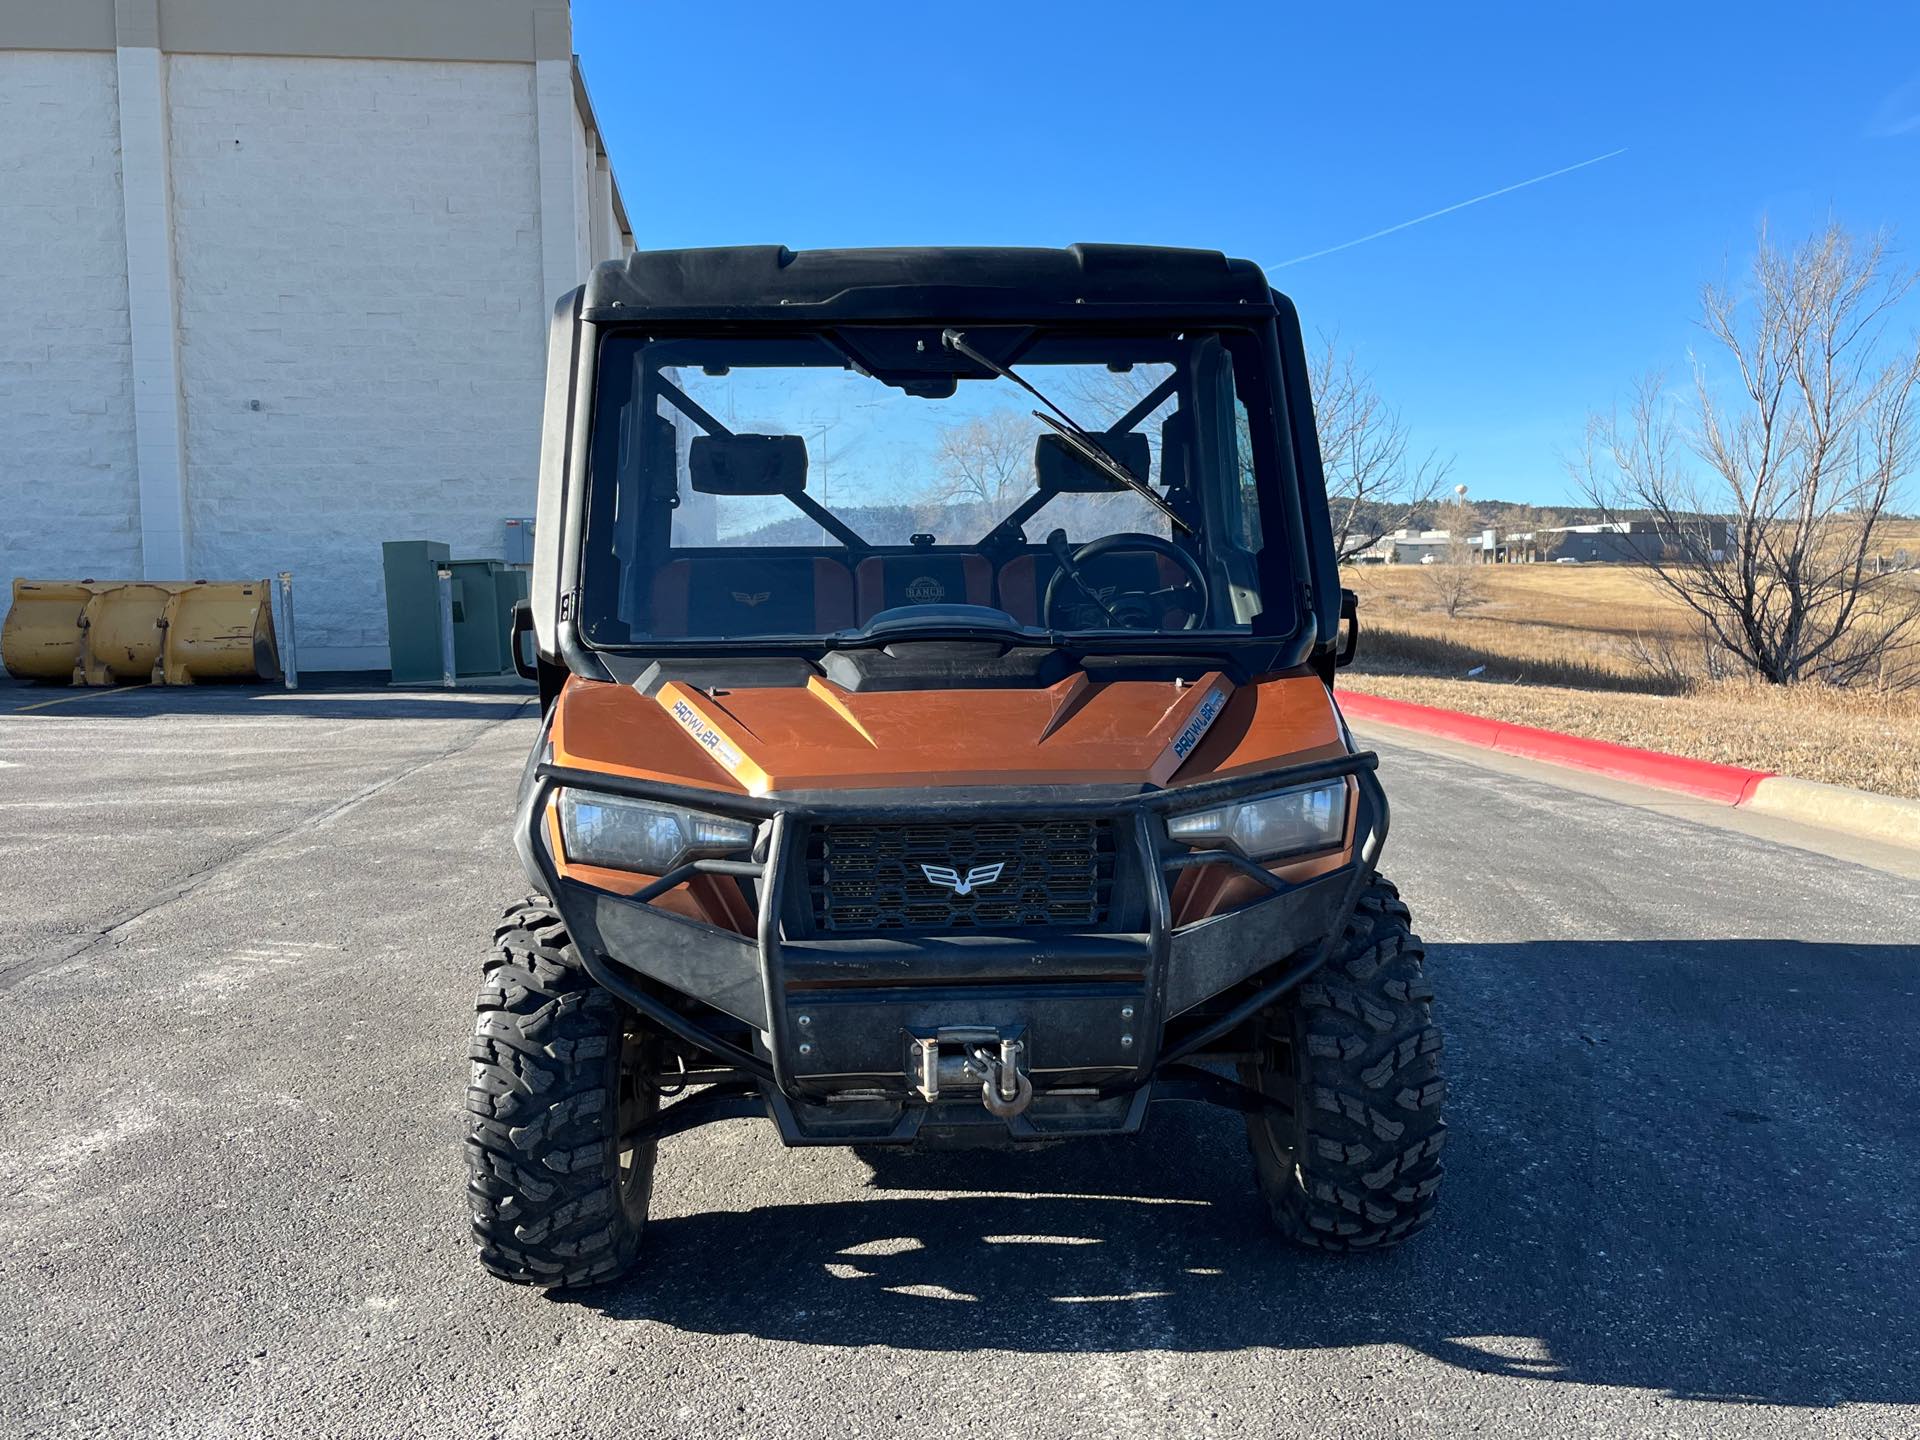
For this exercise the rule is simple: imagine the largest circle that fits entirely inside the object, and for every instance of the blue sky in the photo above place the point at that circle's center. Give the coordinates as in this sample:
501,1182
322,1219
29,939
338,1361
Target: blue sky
1272,131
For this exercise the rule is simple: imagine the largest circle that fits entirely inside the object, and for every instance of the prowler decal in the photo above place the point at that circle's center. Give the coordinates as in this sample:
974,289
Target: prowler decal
1191,732
715,743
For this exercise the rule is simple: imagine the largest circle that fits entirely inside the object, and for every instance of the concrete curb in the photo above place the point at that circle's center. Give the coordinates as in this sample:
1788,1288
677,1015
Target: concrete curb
1729,784
1860,812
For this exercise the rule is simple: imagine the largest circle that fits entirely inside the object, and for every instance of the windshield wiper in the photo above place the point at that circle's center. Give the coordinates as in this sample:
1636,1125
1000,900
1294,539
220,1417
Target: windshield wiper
1069,429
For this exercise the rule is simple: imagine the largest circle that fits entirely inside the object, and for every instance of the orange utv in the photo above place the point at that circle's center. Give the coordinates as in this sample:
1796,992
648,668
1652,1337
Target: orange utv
935,650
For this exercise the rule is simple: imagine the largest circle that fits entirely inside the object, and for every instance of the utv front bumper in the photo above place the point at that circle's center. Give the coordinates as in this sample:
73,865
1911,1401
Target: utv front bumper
848,1038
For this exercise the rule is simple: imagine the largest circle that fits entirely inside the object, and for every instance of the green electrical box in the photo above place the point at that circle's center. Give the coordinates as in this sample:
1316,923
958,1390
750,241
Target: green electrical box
412,570
484,592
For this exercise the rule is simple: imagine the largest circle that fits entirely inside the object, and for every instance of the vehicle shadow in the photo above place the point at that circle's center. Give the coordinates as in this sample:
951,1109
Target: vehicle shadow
1690,1167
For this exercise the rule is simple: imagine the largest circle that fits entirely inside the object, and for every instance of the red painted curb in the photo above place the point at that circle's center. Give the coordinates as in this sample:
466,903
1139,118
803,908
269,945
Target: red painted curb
1729,784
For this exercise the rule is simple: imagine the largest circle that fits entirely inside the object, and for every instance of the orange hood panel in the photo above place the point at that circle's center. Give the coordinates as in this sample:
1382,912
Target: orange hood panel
822,737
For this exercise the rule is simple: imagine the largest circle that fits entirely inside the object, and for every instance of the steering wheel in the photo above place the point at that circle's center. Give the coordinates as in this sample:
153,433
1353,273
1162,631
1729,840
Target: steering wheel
1126,609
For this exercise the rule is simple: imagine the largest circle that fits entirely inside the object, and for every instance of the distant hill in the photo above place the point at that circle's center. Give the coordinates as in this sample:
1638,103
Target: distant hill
1085,516
879,524
1440,513
958,523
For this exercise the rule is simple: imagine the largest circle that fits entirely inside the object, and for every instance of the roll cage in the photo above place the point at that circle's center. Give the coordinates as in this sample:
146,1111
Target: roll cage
774,291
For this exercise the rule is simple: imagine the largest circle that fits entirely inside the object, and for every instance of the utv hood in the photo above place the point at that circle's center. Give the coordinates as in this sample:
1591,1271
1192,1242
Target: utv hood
821,736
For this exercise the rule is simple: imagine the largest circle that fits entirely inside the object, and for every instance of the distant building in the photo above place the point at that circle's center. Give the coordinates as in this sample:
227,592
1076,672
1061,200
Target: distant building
1622,542
1408,547
1613,542
275,280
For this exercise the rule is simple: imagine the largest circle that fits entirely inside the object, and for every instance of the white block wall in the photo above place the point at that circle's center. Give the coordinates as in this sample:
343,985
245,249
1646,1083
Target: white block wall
358,305
358,249
68,501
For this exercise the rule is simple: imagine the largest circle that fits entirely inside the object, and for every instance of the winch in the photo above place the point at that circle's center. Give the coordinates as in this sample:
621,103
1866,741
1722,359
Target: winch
956,1059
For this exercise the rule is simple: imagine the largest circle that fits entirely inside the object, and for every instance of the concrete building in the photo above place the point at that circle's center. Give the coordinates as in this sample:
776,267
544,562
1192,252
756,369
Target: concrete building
274,285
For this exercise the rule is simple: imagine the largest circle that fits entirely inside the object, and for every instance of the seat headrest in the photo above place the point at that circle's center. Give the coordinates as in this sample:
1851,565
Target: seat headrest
748,464
1059,469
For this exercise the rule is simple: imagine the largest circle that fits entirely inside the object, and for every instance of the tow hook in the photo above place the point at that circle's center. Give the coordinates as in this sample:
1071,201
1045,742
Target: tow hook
957,1058
1001,1098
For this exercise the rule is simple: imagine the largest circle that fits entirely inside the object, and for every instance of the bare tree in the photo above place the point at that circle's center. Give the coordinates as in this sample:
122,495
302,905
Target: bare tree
987,460
1805,458
1452,580
986,470
1372,485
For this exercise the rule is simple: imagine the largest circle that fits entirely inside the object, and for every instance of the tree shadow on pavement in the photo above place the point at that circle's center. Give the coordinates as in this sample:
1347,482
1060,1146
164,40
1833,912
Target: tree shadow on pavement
1685,1166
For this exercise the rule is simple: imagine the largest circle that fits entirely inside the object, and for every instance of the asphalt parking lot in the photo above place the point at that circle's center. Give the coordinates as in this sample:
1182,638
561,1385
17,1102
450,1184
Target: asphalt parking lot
240,937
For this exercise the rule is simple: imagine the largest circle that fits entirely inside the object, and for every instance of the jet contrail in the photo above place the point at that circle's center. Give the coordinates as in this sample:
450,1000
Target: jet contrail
1448,210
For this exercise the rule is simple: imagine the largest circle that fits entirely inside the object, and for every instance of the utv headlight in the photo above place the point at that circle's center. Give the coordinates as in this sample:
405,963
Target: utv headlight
1288,822
639,835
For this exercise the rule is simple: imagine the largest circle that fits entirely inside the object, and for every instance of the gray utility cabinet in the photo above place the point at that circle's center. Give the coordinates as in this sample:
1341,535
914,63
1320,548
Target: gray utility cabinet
520,540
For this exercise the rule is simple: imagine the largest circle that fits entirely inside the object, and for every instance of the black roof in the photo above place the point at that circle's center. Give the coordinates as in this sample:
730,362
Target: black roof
773,282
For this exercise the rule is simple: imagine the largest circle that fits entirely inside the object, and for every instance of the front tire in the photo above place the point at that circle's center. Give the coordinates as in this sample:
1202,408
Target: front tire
561,1071
1349,1158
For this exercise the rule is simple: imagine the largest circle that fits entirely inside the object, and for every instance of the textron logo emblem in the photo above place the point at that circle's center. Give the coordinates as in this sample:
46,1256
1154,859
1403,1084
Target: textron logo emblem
952,879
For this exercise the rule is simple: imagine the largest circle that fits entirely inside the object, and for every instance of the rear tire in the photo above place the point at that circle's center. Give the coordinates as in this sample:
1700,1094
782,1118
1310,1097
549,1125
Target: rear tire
561,1069
1350,1159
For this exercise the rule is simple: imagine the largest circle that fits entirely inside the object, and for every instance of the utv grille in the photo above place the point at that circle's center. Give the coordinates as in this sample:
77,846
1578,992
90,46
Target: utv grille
873,877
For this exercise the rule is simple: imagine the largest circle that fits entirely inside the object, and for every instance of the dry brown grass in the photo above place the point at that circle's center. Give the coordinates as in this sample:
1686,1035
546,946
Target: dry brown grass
1540,625
1558,645
1901,532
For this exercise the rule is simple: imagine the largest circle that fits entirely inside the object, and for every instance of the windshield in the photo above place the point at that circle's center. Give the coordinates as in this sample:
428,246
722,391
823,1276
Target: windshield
803,488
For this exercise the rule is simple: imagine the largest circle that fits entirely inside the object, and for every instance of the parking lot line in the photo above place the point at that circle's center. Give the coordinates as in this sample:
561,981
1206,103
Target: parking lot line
83,695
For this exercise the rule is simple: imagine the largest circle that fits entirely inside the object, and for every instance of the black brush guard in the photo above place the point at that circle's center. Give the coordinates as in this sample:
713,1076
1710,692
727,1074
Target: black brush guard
819,1030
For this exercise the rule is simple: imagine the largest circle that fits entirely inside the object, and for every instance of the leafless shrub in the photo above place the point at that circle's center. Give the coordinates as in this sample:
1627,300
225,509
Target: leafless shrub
1660,658
1453,581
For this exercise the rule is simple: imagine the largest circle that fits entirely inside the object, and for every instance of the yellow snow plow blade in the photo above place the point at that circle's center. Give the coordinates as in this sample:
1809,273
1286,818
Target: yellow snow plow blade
167,632
41,637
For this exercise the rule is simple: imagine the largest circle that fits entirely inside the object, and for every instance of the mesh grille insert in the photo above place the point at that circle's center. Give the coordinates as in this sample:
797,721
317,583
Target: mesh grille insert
873,877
